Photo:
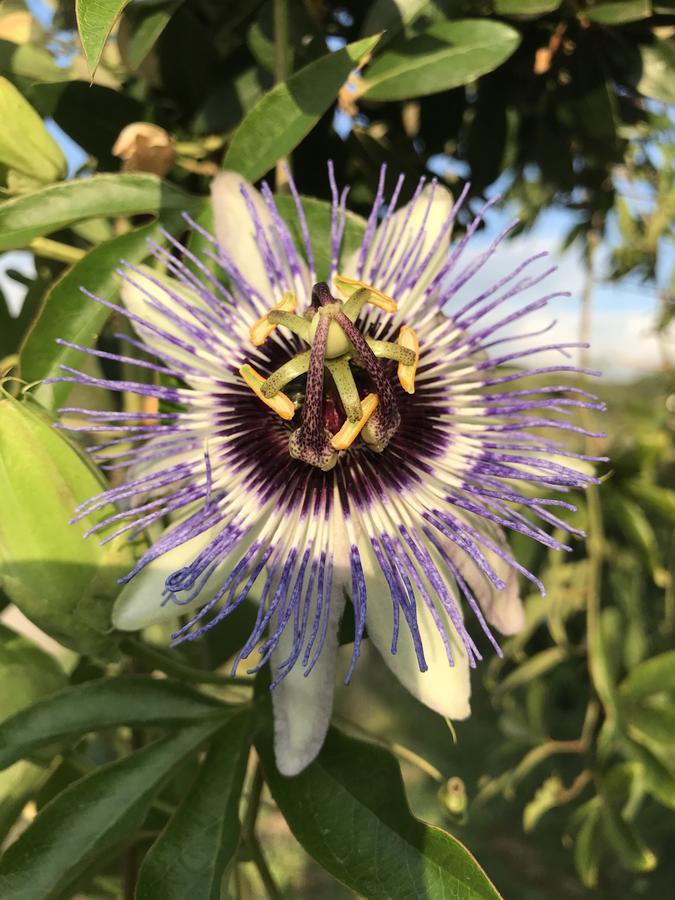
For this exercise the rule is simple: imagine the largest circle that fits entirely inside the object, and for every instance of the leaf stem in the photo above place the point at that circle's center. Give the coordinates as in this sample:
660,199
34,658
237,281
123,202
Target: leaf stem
281,73
397,749
172,666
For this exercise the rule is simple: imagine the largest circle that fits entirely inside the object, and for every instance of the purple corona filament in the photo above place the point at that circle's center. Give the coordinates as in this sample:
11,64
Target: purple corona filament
366,445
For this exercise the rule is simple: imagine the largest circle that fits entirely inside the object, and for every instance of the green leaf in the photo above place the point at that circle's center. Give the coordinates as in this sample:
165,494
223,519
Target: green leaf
95,21
283,116
638,531
651,677
146,23
92,817
349,811
69,314
587,845
318,215
655,721
623,837
61,582
29,61
105,703
25,143
658,71
658,777
617,13
525,8
446,55
390,16
26,673
58,205
194,850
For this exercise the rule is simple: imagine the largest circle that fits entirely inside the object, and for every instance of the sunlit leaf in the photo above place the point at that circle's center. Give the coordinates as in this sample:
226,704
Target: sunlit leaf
658,71
617,13
283,116
95,21
651,677
446,55
25,143
64,584
58,205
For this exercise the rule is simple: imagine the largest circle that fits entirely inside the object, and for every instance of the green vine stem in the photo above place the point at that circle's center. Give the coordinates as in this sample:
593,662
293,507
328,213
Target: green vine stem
157,658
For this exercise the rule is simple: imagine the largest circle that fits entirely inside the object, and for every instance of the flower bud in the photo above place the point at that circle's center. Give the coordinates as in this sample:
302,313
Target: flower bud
453,799
26,147
63,583
144,147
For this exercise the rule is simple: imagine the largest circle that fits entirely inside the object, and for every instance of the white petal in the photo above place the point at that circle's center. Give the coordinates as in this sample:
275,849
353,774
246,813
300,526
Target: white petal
140,605
398,233
444,688
303,705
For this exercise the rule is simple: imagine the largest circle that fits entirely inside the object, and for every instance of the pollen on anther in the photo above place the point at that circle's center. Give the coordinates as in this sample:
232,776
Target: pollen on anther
346,436
348,286
281,404
263,328
406,373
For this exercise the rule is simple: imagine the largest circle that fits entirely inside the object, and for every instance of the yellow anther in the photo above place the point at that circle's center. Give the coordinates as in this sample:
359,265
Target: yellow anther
280,403
263,328
349,286
406,374
351,430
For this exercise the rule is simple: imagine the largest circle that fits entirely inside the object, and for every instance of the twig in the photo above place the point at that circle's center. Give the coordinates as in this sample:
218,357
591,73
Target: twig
249,836
281,73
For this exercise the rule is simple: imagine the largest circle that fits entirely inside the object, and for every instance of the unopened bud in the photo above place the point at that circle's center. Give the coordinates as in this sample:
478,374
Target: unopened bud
144,147
452,797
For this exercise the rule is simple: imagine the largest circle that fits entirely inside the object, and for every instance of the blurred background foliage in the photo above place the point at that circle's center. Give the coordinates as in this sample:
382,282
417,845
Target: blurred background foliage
563,781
